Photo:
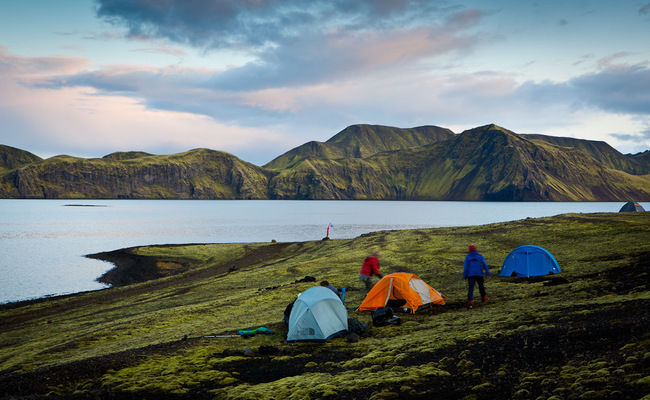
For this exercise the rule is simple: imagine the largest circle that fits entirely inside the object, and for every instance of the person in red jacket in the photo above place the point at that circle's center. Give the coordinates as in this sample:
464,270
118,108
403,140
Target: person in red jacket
369,268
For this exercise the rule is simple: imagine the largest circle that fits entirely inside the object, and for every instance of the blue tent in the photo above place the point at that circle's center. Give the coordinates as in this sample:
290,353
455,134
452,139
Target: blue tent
528,261
631,206
317,315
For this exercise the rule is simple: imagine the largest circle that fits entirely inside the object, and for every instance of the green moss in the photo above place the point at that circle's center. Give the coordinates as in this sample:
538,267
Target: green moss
482,386
645,382
196,303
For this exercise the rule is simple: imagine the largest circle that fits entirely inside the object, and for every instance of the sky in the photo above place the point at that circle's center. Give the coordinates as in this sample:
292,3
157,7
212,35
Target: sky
256,78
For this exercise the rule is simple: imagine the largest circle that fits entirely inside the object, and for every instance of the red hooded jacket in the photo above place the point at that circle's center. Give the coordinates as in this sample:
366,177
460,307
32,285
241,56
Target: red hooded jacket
370,266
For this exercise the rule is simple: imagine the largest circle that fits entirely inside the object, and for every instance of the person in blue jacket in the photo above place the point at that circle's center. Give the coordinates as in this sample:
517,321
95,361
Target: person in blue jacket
473,273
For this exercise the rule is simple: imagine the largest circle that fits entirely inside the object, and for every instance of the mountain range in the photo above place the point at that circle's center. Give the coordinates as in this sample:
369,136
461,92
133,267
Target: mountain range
362,162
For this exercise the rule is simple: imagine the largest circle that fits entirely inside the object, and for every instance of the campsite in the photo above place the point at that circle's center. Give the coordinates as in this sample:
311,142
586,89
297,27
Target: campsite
579,334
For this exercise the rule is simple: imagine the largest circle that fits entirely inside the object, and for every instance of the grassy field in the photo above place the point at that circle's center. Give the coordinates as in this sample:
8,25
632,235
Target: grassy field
585,336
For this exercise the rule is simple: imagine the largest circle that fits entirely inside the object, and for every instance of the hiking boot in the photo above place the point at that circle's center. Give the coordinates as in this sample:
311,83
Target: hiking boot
483,299
470,304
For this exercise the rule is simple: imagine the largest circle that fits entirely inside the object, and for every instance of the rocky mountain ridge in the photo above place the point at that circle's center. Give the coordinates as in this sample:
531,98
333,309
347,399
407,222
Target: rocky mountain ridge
362,162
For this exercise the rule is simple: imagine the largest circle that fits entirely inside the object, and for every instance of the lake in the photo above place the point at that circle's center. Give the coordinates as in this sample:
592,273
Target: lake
43,242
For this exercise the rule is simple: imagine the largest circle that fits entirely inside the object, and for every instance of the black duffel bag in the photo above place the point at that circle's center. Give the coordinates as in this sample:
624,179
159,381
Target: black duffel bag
384,316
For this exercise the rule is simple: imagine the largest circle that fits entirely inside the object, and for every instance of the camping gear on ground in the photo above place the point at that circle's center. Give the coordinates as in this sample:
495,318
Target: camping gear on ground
355,330
529,260
215,336
631,206
244,333
253,332
401,290
355,326
287,313
317,315
384,316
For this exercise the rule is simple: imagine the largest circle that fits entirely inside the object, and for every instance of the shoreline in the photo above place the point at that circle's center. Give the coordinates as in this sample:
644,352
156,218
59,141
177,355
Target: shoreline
586,335
133,268
128,267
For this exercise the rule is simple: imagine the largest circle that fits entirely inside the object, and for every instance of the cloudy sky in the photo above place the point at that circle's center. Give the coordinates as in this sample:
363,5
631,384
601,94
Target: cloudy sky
256,78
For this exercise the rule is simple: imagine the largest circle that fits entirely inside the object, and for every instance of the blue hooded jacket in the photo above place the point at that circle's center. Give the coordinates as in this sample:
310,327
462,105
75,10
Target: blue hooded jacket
474,265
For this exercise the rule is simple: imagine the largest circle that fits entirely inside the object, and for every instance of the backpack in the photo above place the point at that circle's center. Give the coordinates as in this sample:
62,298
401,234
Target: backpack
287,312
354,325
384,316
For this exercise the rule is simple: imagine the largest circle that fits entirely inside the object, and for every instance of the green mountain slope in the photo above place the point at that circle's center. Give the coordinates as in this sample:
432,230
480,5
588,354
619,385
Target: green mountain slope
196,174
601,151
361,162
11,158
360,141
486,163
642,158
126,155
492,163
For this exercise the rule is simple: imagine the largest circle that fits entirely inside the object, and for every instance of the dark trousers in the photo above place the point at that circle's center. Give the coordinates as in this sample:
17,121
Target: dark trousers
367,280
470,286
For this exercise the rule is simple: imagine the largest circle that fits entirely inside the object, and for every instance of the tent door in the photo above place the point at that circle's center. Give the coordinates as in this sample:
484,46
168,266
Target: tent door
388,292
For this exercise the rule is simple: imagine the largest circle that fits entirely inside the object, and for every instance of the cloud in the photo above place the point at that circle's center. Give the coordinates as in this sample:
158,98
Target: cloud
78,110
311,69
378,96
626,137
53,105
11,64
81,122
296,43
633,143
161,50
255,23
645,9
92,35
323,58
608,62
623,89
300,49
617,88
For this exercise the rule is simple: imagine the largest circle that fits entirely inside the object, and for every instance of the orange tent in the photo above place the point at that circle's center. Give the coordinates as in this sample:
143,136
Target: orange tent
403,289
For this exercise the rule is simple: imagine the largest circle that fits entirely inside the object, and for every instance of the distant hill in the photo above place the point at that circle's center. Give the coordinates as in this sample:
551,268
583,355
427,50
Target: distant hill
126,155
11,158
493,163
485,163
361,162
601,151
643,158
196,174
360,141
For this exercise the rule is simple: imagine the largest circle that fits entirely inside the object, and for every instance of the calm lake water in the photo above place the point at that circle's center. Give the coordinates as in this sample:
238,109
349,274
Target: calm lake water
43,242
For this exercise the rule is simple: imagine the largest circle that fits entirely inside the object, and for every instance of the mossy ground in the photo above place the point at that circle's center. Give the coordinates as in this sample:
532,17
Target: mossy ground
582,337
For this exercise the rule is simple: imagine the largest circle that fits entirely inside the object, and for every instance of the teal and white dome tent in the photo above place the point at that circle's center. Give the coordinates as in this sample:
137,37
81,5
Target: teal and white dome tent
317,315
631,206
529,260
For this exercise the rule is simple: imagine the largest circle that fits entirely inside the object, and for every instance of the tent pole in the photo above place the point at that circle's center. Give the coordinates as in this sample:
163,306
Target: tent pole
390,288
